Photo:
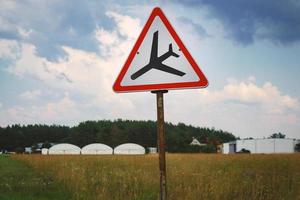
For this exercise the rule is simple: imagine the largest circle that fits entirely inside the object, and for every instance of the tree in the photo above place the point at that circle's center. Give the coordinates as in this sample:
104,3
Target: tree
34,147
113,133
19,150
277,135
297,147
46,145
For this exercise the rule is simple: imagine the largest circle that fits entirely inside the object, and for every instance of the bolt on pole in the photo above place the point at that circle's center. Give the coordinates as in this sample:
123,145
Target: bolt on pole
161,142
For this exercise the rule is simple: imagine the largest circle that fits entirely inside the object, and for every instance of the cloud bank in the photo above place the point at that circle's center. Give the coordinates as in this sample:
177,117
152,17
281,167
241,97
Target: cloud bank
84,77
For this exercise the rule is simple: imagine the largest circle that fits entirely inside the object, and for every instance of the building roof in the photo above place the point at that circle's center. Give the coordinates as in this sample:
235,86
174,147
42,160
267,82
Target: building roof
196,142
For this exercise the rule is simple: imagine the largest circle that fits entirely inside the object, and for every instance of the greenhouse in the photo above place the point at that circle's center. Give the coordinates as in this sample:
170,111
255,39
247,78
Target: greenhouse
63,149
97,149
129,148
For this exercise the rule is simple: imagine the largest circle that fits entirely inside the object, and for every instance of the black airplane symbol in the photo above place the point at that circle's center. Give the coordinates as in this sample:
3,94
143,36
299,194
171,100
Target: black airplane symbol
156,62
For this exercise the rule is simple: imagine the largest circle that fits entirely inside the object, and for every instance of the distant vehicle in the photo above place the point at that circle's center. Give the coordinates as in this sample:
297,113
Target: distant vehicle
244,151
3,151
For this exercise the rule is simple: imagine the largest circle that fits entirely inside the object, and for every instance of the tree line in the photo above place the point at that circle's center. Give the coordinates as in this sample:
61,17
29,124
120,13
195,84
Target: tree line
178,136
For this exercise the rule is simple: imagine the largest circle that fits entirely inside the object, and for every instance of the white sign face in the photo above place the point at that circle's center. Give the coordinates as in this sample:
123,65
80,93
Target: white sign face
159,60
159,33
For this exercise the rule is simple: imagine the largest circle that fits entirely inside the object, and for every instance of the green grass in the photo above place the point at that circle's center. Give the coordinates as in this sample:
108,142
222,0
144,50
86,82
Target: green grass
18,181
189,176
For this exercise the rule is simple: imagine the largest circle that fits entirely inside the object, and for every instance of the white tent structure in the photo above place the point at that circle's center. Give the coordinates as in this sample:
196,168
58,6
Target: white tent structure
129,149
64,148
97,149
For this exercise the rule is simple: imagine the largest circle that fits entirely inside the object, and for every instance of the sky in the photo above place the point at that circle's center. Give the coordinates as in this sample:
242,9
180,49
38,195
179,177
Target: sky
60,58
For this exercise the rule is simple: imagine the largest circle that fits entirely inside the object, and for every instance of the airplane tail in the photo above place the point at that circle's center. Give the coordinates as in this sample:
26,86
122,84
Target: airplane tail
171,51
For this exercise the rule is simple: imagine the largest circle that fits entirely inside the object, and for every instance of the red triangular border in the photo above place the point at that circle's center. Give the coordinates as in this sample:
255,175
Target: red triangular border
165,86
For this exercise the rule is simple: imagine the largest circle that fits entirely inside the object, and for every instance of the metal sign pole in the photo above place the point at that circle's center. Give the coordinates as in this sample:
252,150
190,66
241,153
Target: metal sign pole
161,142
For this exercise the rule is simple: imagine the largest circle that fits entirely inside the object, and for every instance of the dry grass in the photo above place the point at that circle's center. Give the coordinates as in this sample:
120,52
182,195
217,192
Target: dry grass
189,176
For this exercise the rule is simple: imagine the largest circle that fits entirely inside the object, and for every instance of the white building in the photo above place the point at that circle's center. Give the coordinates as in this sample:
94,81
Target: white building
229,147
44,151
129,148
97,149
64,148
152,150
196,142
267,146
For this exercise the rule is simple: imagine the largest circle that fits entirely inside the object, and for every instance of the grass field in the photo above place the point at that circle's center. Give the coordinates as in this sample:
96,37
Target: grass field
19,181
189,176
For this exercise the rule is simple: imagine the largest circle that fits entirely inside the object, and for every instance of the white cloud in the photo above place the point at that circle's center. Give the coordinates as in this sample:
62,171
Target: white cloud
107,40
79,70
268,96
84,73
241,107
87,74
63,110
9,27
24,33
127,26
31,94
7,5
106,37
6,26
9,49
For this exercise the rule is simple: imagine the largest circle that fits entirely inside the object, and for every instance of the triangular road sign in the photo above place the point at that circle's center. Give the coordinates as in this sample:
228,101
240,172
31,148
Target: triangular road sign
159,60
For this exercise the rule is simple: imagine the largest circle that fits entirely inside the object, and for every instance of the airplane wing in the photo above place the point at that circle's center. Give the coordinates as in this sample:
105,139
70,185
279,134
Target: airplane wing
140,72
154,46
170,70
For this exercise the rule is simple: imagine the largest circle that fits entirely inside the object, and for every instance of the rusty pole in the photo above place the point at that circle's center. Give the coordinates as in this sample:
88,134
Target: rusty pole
161,142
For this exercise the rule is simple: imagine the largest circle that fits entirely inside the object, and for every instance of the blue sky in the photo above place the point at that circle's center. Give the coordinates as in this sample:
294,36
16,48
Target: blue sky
59,59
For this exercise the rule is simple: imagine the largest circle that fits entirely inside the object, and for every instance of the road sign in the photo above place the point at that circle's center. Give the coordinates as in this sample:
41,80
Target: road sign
159,60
